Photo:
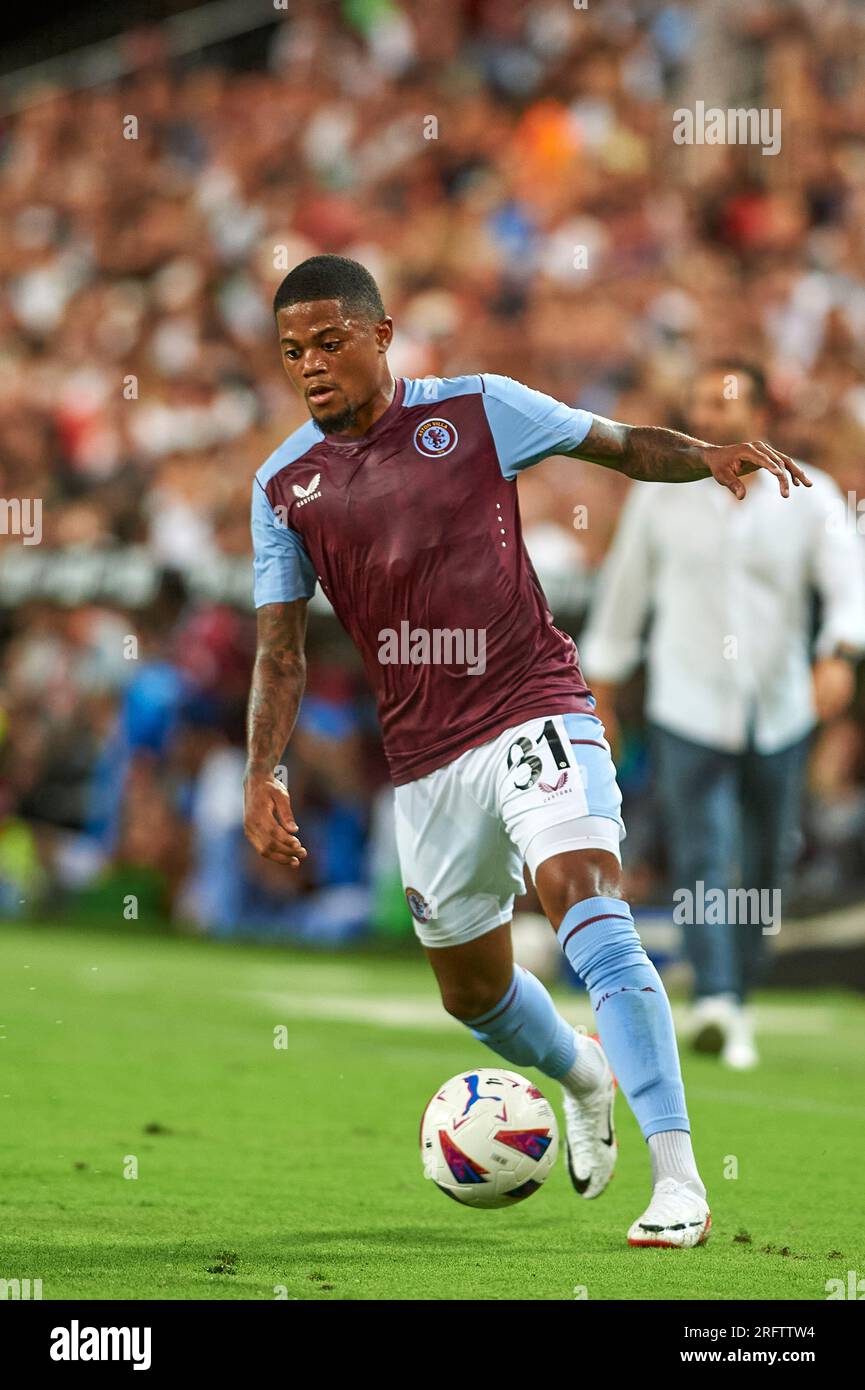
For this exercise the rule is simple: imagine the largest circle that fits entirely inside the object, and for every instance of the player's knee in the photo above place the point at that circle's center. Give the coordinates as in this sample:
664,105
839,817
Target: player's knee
471,999
574,876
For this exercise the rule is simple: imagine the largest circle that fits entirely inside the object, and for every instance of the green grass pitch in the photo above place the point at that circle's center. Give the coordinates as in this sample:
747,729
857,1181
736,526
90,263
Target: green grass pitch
293,1172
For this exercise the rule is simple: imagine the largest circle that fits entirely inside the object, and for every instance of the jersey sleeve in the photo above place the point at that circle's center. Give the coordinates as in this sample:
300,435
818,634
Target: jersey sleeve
282,570
528,426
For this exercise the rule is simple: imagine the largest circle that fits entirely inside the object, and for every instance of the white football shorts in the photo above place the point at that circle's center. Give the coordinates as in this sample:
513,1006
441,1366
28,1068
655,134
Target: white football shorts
463,832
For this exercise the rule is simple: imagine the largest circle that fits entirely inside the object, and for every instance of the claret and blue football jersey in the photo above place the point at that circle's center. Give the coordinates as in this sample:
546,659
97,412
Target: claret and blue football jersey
414,528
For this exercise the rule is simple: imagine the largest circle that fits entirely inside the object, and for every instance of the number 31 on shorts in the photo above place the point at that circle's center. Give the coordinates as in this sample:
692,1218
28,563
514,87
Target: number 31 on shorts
526,765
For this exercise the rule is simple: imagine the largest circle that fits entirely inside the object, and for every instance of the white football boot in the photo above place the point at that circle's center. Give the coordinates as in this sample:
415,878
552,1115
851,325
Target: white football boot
711,1021
676,1217
740,1050
590,1139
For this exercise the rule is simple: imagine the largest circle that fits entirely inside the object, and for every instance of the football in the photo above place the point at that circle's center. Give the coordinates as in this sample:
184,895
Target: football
488,1138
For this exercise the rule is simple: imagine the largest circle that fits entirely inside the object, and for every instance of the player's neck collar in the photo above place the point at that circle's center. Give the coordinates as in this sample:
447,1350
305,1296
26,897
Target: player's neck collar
384,421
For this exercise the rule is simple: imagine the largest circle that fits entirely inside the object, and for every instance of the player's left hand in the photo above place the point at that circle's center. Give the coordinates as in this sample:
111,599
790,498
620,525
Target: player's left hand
727,463
834,687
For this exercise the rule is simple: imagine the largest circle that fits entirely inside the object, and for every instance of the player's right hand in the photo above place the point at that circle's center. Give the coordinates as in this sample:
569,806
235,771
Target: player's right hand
268,820
727,463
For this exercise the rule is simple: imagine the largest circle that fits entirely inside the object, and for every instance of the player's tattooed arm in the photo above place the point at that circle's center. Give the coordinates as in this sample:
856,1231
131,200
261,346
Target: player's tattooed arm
278,681
655,455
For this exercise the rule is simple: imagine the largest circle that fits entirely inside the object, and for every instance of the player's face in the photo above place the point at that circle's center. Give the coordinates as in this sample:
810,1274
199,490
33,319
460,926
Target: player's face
334,359
722,409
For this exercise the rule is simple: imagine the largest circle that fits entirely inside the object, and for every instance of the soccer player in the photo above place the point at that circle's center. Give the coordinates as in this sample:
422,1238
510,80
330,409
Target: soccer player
399,498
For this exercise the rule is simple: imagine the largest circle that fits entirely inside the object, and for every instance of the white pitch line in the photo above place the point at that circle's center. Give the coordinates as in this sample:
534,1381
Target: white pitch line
764,1102
427,1015
422,1014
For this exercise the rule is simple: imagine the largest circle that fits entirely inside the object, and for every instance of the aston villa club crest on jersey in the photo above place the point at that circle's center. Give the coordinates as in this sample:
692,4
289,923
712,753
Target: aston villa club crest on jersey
435,438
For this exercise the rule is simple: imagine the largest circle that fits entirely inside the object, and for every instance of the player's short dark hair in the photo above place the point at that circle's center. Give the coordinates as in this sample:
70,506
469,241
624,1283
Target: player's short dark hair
739,366
331,277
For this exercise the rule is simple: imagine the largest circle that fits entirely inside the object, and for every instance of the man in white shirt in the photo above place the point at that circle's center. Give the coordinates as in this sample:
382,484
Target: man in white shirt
731,693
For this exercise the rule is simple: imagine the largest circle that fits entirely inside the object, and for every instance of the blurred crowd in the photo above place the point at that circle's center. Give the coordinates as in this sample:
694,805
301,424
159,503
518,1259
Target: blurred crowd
507,170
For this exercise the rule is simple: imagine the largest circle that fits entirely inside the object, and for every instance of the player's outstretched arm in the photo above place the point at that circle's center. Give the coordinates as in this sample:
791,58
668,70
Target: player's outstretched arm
654,455
278,679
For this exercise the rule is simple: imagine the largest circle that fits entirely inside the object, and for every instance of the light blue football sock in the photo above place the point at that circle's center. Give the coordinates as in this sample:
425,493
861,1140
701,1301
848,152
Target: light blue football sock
525,1028
631,1008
